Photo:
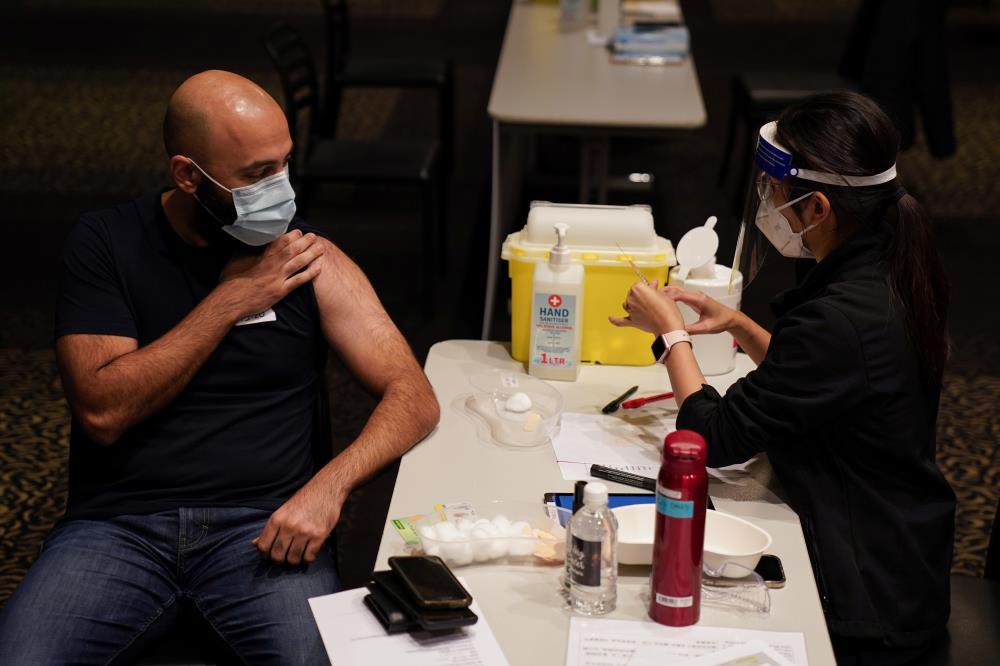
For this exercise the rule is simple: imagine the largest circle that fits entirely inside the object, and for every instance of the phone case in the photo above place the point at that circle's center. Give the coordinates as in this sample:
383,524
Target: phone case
389,584
461,599
392,618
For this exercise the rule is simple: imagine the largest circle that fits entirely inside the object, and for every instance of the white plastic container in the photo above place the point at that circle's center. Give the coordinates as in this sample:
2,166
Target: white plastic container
519,533
697,271
556,314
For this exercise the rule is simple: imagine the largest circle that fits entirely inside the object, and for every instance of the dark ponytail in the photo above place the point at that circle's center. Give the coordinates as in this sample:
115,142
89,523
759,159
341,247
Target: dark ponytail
847,133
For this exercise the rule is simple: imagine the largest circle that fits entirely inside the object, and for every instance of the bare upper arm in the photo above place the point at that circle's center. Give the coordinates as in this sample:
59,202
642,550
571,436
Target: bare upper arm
357,326
81,356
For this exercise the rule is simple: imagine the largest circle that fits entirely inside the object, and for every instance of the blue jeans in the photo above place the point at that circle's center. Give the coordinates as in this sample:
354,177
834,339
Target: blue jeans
99,586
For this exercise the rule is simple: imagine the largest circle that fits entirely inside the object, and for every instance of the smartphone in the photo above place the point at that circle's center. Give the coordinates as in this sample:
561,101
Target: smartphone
769,568
387,585
771,571
430,582
393,618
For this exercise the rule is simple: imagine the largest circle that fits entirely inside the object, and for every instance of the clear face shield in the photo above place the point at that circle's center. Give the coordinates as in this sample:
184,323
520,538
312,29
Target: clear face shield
763,227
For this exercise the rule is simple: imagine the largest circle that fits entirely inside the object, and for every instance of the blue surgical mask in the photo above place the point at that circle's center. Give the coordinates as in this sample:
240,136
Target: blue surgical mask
777,229
263,210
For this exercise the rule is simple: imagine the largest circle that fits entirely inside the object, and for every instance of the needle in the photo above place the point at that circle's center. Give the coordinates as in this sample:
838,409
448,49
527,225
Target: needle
628,258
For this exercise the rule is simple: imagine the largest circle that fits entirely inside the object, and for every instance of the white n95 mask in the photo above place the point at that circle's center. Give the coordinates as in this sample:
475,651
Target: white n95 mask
778,231
263,210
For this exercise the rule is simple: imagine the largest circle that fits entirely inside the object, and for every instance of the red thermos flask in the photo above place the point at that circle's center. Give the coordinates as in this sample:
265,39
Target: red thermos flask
681,492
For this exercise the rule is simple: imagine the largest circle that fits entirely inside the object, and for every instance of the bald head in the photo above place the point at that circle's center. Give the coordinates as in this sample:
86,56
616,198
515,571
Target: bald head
213,106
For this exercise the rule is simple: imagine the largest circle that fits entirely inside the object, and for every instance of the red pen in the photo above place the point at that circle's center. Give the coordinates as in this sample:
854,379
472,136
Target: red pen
639,402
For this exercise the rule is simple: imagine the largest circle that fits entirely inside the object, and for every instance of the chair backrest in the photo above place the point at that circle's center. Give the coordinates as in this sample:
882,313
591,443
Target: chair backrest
992,570
297,70
337,20
338,35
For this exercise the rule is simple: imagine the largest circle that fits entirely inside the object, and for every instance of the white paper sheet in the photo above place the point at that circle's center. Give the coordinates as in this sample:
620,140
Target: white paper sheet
753,653
629,443
353,637
616,642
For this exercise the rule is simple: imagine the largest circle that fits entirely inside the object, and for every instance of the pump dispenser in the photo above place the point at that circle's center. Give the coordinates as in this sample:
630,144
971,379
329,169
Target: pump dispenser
556,316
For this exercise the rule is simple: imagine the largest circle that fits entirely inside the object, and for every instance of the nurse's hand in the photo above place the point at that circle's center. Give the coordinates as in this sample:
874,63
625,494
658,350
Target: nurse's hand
713,316
650,309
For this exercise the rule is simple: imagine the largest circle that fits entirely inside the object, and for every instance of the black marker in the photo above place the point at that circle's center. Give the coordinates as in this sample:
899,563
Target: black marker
616,403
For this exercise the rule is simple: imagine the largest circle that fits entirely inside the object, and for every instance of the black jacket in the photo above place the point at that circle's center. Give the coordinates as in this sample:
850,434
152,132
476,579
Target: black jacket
840,408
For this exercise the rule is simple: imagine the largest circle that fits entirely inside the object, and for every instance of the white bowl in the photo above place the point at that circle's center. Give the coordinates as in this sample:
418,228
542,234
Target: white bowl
727,538
636,525
732,539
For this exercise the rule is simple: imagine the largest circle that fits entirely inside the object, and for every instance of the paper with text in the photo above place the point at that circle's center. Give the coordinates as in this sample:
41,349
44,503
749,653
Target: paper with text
629,443
619,642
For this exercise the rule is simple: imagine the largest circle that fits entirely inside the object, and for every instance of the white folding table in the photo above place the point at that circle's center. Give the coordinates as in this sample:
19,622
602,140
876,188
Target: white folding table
521,603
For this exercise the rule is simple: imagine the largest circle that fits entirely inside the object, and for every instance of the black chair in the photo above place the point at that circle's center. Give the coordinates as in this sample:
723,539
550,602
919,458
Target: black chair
974,626
343,71
759,97
408,163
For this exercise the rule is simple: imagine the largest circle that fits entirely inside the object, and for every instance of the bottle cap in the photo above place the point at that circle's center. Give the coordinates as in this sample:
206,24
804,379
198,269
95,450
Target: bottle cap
685,445
697,248
595,494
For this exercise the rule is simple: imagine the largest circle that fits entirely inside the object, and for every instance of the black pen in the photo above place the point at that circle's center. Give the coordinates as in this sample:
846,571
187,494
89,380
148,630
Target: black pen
624,478
616,403
634,480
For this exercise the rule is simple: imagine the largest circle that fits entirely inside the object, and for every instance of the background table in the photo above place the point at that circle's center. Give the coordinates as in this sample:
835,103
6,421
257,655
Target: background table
550,81
522,603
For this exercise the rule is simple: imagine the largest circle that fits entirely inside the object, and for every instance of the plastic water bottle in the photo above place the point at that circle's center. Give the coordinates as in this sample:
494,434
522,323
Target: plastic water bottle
681,495
594,554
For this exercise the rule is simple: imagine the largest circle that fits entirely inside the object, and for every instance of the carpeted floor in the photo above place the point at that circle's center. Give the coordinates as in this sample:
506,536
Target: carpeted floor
80,130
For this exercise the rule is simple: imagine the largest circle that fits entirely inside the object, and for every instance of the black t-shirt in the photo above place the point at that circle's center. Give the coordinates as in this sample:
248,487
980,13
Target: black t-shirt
239,434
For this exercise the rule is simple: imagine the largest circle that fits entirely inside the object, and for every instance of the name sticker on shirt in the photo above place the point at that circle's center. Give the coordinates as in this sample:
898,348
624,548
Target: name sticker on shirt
259,318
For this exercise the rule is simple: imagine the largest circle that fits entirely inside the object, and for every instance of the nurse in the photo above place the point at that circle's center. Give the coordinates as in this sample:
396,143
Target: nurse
845,397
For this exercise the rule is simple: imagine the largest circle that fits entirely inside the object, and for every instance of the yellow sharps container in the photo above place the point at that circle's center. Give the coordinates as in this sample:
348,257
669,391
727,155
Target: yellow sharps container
603,239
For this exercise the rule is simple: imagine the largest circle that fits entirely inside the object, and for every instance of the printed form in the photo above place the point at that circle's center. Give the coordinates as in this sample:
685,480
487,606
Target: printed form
630,643
629,443
353,637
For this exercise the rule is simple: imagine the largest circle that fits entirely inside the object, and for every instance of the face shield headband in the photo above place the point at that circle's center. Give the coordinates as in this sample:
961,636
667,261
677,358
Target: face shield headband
773,164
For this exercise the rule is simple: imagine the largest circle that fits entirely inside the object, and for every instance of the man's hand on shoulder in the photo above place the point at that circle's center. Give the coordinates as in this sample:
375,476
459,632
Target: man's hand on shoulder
297,530
252,283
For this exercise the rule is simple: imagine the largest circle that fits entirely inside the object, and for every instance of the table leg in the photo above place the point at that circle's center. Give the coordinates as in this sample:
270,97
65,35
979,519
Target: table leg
494,239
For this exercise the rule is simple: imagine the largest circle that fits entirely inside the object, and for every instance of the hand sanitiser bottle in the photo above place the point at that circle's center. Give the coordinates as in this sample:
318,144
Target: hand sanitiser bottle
556,316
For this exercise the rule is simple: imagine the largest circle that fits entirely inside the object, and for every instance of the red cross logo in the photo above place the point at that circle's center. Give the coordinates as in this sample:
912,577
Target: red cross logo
555,301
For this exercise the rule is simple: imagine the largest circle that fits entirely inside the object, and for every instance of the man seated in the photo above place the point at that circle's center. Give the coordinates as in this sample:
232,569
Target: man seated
191,335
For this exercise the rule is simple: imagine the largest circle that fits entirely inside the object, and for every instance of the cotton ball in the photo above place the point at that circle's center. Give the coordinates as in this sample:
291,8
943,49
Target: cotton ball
458,552
520,528
518,403
480,544
464,526
498,548
447,531
521,546
428,532
502,524
483,522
